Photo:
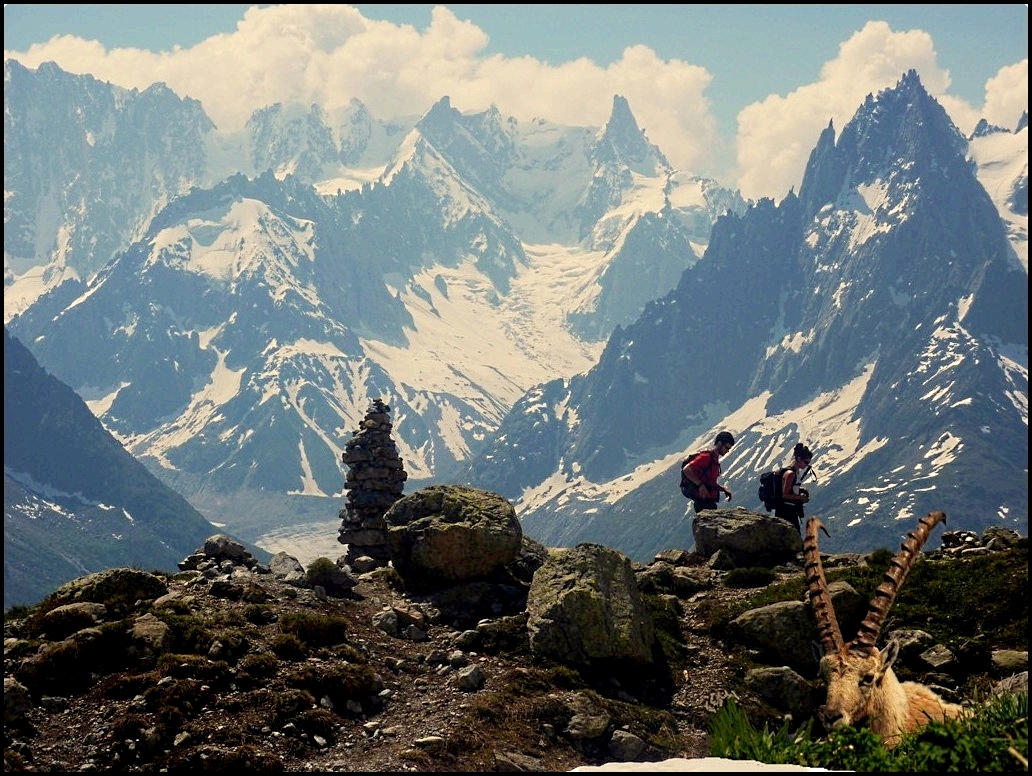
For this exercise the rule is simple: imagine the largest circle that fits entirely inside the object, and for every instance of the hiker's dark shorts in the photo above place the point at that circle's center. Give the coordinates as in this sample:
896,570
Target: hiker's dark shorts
701,505
793,513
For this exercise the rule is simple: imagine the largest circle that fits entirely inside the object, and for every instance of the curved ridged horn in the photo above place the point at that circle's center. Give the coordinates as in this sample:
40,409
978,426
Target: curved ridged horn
867,635
817,583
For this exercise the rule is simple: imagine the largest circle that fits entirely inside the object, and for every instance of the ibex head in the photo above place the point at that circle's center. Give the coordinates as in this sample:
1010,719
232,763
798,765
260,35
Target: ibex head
861,685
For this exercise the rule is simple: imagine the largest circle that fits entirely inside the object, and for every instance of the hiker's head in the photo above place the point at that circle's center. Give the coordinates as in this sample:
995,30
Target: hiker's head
803,453
725,441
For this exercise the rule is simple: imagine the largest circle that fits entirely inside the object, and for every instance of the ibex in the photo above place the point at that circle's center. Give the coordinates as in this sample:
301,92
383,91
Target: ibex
862,687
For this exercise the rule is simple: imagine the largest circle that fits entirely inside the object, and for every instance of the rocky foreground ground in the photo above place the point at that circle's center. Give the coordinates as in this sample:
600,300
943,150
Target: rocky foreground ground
249,670
449,702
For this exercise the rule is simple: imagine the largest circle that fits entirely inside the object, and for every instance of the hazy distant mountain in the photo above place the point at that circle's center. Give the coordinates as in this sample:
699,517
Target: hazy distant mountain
237,342
880,316
75,501
85,165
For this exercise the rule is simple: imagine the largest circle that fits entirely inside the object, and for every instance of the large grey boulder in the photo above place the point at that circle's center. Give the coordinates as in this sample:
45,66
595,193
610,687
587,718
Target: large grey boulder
121,584
445,534
584,609
748,538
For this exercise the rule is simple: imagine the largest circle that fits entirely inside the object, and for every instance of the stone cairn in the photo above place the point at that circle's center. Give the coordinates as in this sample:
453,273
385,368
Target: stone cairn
374,480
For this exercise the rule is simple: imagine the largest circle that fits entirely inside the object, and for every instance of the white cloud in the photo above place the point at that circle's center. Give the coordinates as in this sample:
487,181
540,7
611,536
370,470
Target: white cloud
776,135
1006,95
329,54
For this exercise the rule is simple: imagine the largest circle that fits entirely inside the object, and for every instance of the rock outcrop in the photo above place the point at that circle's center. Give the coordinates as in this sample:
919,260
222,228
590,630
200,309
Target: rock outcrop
585,609
745,538
231,663
446,534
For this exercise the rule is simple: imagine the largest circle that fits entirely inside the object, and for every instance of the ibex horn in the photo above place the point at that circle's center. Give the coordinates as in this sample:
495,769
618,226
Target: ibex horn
820,598
897,572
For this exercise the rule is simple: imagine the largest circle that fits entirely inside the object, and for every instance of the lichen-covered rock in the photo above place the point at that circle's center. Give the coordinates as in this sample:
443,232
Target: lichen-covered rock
17,703
122,584
62,621
584,608
450,533
748,538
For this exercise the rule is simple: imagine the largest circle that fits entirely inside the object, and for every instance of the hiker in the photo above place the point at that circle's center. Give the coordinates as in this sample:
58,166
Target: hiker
703,470
793,494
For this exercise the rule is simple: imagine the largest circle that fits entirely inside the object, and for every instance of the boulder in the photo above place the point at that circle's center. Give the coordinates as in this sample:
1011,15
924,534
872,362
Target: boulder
447,534
584,609
748,538
120,585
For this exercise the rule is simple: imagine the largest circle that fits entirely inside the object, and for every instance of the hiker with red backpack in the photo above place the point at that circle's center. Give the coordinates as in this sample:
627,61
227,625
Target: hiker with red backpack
700,472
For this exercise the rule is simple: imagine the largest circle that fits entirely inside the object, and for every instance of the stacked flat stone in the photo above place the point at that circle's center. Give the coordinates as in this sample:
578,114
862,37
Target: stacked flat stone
374,480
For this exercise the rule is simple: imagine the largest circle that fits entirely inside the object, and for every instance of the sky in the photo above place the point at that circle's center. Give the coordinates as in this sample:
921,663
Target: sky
735,92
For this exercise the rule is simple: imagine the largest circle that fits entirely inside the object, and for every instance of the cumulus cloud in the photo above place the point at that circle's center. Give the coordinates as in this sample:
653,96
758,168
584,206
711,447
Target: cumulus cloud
330,54
776,135
1006,95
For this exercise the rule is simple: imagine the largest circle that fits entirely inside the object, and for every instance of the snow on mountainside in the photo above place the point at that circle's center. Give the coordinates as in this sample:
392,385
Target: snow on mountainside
1002,159
530,301
879,317
236,344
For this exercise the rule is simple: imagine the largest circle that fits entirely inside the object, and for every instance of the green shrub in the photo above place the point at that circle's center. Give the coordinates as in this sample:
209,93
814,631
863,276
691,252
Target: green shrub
287,646
315,630
235,644
390,576
341,682
752,576
880,558
320,572
177,606
259,665
187,634
993,738
289,703
17,612
175,703
318,722
256,614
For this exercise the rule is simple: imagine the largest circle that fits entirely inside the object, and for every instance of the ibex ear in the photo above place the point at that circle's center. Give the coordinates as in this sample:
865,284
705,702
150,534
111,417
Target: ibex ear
889,654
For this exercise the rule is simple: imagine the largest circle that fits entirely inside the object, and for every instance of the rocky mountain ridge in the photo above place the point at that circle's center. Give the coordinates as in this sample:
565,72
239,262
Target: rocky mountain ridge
871,316
89,504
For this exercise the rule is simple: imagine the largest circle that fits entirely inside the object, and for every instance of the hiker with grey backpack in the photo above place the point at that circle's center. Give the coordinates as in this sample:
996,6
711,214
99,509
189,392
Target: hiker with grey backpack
782,490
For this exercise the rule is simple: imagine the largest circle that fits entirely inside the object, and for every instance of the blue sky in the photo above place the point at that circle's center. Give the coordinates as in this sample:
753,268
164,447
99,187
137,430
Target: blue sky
706,63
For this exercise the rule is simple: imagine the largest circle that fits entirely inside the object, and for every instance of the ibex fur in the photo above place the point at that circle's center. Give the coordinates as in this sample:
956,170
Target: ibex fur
862,687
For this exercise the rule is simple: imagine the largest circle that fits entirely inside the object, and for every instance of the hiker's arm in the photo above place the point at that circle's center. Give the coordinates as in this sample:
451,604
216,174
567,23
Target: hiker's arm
727,492
692,477
787,492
